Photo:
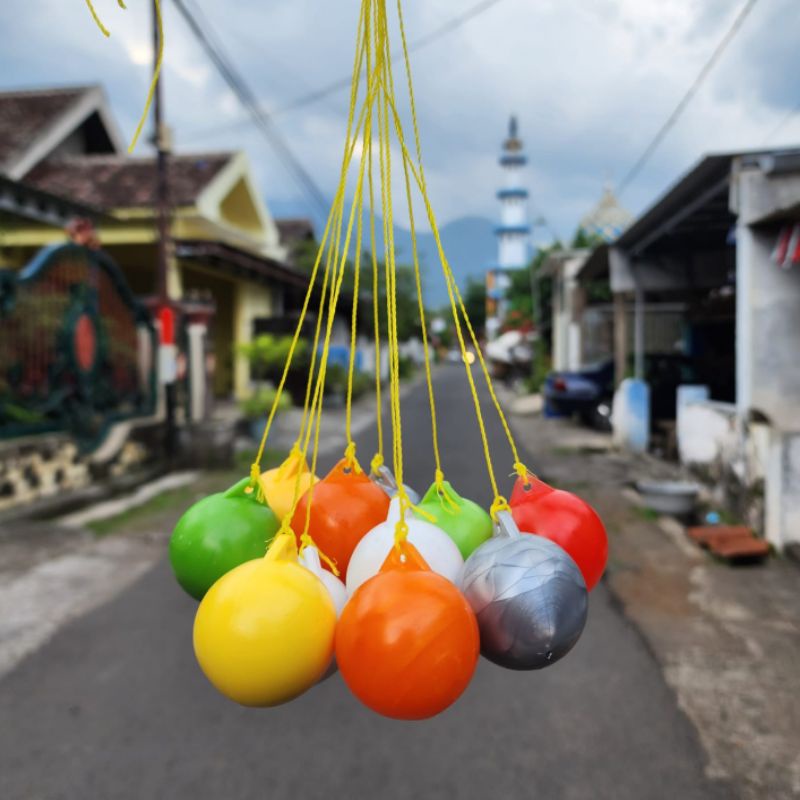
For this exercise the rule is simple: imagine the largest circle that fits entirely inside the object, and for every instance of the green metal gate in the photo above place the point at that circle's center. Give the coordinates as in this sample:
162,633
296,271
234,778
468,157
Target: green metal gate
77,350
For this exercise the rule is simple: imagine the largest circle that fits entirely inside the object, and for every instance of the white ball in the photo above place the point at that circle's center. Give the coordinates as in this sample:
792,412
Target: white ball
309,558
434,545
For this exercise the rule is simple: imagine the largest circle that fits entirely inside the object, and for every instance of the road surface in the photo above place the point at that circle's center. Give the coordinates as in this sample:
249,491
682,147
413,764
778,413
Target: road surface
114,706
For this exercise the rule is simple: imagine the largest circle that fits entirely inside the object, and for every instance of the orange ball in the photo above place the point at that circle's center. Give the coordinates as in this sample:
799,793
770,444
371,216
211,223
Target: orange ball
407,643
345,505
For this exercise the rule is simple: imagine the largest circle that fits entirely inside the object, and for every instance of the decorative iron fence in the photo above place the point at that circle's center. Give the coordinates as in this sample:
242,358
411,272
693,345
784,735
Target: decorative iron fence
77,350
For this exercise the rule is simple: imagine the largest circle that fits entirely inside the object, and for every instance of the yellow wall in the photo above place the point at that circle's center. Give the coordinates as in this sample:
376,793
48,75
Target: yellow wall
251,302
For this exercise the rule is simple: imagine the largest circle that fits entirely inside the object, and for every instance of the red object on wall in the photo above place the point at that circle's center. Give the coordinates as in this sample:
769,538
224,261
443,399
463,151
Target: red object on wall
85,343
166,317
566,520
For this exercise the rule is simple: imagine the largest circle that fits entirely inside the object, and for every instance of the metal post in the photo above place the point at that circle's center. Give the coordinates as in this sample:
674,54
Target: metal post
162,177
638,332
163,243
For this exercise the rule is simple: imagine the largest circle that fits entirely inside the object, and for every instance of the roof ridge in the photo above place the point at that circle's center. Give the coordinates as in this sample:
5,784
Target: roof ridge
125,158
78,88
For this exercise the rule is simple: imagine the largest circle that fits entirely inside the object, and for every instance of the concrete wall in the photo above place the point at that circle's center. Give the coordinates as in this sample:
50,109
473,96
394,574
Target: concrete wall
730,454
768,340
768,319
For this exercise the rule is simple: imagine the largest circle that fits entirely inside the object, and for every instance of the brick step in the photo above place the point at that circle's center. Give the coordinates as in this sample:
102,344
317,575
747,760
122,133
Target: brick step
744,548
705,534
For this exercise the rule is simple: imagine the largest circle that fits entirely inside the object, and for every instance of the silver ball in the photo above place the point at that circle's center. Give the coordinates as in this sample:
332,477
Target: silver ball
530,600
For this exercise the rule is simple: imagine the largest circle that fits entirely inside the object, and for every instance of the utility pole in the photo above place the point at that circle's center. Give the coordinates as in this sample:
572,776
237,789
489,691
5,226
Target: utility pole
166,309
162,174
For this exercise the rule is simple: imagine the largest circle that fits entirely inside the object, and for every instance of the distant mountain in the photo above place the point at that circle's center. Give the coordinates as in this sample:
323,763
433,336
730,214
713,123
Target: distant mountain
469,245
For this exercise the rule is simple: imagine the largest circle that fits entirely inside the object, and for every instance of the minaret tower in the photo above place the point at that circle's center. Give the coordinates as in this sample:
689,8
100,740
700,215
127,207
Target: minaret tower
513,232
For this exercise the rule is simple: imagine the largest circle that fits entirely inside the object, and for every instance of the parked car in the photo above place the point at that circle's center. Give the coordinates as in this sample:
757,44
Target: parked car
587,392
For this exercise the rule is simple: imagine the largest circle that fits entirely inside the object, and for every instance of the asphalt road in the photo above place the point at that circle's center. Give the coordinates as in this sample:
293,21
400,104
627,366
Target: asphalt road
114,706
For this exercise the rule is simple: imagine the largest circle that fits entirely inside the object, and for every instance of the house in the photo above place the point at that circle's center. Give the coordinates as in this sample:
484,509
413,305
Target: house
227,246
582,321
719,251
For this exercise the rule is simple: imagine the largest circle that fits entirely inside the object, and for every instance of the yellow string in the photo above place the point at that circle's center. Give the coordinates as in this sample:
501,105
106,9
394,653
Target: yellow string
353,334
156,72
519,467
377,459
330,223
97,20
151,93
316,404
421,308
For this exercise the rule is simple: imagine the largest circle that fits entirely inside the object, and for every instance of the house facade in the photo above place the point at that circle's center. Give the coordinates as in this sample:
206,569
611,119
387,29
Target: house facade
227,252
721,250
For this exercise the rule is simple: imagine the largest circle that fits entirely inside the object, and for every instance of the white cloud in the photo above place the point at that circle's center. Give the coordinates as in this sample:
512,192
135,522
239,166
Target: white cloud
591,81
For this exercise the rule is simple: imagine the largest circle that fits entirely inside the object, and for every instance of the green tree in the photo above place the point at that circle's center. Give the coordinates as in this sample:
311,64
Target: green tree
475,303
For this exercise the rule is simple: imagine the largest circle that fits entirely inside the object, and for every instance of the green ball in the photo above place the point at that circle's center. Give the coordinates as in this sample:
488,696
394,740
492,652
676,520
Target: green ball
465,522
217,534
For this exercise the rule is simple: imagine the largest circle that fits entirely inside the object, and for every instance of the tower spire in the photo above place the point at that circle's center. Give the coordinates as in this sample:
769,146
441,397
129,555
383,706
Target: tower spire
513,232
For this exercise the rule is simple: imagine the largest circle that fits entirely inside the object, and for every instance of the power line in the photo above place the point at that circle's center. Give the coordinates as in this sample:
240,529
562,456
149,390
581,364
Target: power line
686,99
248,99
344,83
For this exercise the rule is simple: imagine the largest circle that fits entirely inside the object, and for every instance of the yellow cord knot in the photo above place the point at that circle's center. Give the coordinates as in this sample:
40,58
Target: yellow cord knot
350,454
376,463
438,479
499,504
286,525
400,533
521,470
255,482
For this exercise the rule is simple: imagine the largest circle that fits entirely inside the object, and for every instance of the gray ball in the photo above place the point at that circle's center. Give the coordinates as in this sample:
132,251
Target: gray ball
530,600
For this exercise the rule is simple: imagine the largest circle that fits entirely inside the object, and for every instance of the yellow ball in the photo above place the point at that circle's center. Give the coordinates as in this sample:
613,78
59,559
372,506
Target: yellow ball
264,632
281,486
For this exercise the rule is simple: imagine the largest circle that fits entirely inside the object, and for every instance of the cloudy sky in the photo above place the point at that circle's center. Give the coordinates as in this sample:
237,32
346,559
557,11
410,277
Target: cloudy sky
590,80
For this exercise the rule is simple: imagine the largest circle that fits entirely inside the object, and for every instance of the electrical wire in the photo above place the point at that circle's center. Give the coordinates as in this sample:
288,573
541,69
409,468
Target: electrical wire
200,29
340,84
686,99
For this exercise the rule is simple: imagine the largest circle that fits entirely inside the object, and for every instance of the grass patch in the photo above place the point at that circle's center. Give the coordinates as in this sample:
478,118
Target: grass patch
181,498
647,514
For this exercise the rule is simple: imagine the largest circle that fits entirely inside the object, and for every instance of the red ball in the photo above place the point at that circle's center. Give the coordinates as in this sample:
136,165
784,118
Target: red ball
345,505
407,643
566,520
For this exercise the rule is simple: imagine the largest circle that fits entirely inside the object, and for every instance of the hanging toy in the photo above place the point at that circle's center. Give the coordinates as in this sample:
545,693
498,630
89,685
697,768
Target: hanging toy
345,505
280,484
434,545
528,595
217,534
264,632
465,522
309,558
407,644
384,477
566,520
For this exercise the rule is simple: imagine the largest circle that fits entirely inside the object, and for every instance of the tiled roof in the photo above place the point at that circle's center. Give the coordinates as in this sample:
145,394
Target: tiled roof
24,114
117,181
295,229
